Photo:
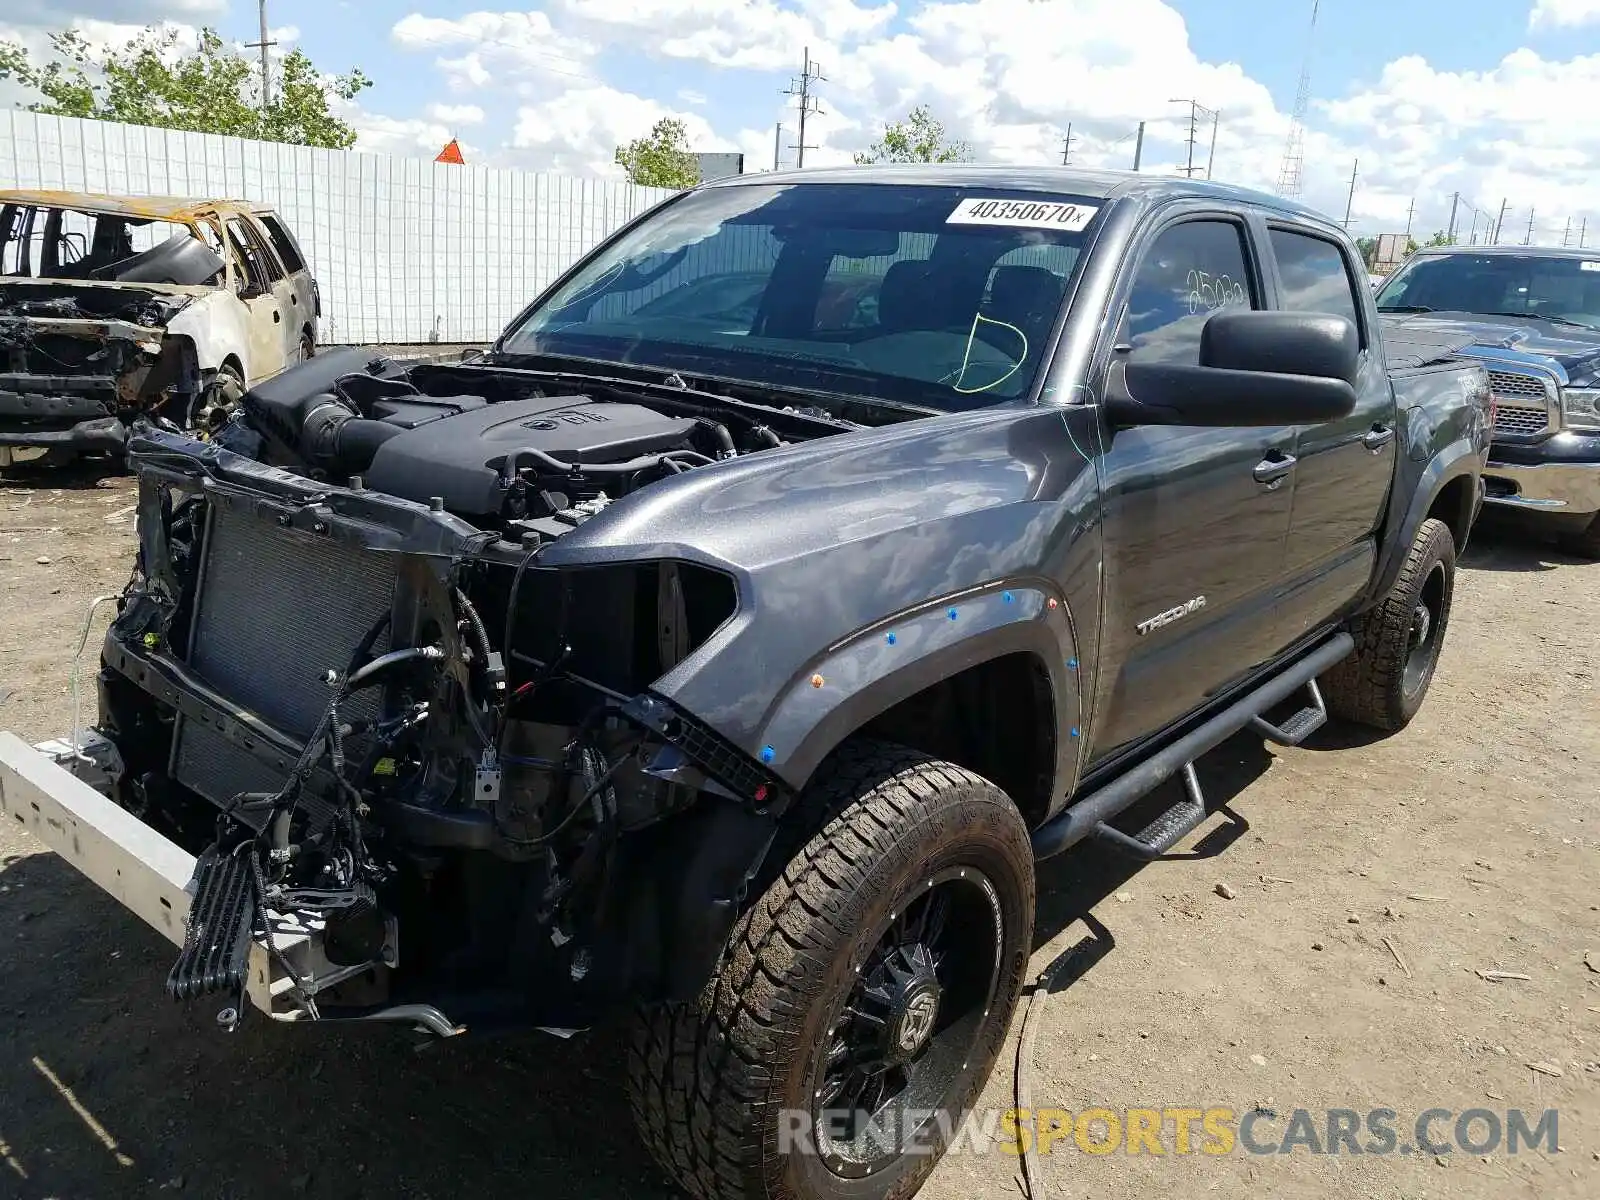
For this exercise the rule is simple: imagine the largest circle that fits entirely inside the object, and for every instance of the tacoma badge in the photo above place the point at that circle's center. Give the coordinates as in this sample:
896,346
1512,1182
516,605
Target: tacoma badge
1171,615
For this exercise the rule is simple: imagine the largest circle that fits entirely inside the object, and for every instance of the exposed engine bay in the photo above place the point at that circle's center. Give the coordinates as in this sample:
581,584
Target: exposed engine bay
397,740
77,359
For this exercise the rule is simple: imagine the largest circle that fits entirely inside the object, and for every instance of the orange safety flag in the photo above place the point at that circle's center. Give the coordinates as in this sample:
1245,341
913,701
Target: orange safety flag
451,153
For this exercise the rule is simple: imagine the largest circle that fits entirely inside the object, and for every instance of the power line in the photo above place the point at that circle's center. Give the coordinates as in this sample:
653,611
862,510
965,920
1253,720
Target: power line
801,88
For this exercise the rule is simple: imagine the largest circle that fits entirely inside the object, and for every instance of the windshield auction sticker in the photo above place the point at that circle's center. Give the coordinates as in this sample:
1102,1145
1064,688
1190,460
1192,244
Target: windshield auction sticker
1026,214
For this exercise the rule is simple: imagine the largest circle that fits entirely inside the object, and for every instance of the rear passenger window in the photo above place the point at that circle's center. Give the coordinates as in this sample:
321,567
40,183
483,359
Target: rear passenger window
283,244
1314,275
1191,271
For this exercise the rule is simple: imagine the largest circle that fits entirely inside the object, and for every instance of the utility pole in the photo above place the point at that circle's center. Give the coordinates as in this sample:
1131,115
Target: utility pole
1528,241
1066,147
1410,213
1194,113
1138,146
1500,220
1211,159
1350,201
809,73
777,143
1195,109
266,77
1583,232
1455,205
1566,234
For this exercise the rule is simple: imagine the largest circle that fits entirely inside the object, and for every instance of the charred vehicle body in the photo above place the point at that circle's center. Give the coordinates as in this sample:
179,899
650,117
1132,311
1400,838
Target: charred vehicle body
114,309
731,652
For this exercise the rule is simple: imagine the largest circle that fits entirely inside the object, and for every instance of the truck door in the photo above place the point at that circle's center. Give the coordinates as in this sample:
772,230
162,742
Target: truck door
1345,470
1194,518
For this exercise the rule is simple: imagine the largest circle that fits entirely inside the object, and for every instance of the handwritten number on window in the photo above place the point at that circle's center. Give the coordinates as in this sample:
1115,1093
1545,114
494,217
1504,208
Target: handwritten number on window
1209,292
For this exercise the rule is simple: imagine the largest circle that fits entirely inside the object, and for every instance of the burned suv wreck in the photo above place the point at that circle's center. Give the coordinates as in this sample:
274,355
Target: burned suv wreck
713,643
114,308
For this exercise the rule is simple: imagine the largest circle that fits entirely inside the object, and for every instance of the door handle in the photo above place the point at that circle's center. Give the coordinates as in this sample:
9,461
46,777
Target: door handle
1377,437
1272,469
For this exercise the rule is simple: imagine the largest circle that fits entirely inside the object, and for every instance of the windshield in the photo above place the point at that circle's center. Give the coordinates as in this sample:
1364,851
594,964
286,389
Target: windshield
939,297
1546,287
66,243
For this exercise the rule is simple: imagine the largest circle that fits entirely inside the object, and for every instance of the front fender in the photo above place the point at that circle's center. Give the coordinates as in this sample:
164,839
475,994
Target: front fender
215,325
836,543
839,690
1459,459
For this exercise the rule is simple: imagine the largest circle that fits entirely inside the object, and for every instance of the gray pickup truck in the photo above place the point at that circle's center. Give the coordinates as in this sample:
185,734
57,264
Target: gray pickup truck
724,645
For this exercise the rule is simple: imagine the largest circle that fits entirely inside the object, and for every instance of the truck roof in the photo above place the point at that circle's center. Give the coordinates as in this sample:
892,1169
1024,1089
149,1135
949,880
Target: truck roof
155,208
1104,185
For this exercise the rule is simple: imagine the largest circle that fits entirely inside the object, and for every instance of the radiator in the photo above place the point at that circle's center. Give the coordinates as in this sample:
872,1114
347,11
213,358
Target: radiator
275,611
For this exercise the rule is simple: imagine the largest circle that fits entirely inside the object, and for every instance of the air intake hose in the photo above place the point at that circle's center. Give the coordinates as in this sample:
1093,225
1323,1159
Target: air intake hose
336,438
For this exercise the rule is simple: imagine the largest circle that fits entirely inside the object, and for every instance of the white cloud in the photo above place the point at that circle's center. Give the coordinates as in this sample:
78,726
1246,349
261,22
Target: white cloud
520,42
1563,14
579,130
416,137
456,114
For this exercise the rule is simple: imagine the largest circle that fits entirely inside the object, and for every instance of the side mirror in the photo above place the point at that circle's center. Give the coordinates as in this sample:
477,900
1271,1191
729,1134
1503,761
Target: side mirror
1256,368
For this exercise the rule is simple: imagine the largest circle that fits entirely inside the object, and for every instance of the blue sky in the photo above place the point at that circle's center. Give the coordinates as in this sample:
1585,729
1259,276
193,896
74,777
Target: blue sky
1266,37
1471,96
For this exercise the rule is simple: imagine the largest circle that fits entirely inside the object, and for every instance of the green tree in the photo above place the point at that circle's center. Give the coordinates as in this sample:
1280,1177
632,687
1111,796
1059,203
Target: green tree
1441,238
212,88
1368,246
661,158
919,138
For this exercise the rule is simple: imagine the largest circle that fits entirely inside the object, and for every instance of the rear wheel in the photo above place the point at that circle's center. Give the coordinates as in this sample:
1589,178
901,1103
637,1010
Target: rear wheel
1397,650
862,1000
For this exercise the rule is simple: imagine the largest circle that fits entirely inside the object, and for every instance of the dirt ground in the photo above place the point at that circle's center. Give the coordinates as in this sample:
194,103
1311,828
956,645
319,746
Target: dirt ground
1467,844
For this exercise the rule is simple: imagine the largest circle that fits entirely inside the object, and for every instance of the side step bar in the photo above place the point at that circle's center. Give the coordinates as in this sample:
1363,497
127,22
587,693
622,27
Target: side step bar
1089,816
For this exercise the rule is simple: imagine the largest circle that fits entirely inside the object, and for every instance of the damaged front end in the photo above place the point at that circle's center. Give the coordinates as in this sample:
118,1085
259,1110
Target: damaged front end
79,362
423,774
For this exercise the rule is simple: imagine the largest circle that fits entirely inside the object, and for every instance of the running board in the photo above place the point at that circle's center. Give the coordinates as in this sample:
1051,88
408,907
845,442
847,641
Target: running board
1086,817
1167,830
1298,727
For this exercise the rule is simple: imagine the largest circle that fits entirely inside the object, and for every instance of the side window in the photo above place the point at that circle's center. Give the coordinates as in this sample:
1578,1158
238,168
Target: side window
259,267
1191,271
1314,275
283,244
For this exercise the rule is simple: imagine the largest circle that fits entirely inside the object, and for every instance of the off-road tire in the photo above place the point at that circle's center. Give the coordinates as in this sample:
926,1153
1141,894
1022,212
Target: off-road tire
1371,687
709,1080
1587,543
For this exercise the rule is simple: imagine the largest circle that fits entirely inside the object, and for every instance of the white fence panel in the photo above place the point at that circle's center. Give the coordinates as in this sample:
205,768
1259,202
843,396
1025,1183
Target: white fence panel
405,249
